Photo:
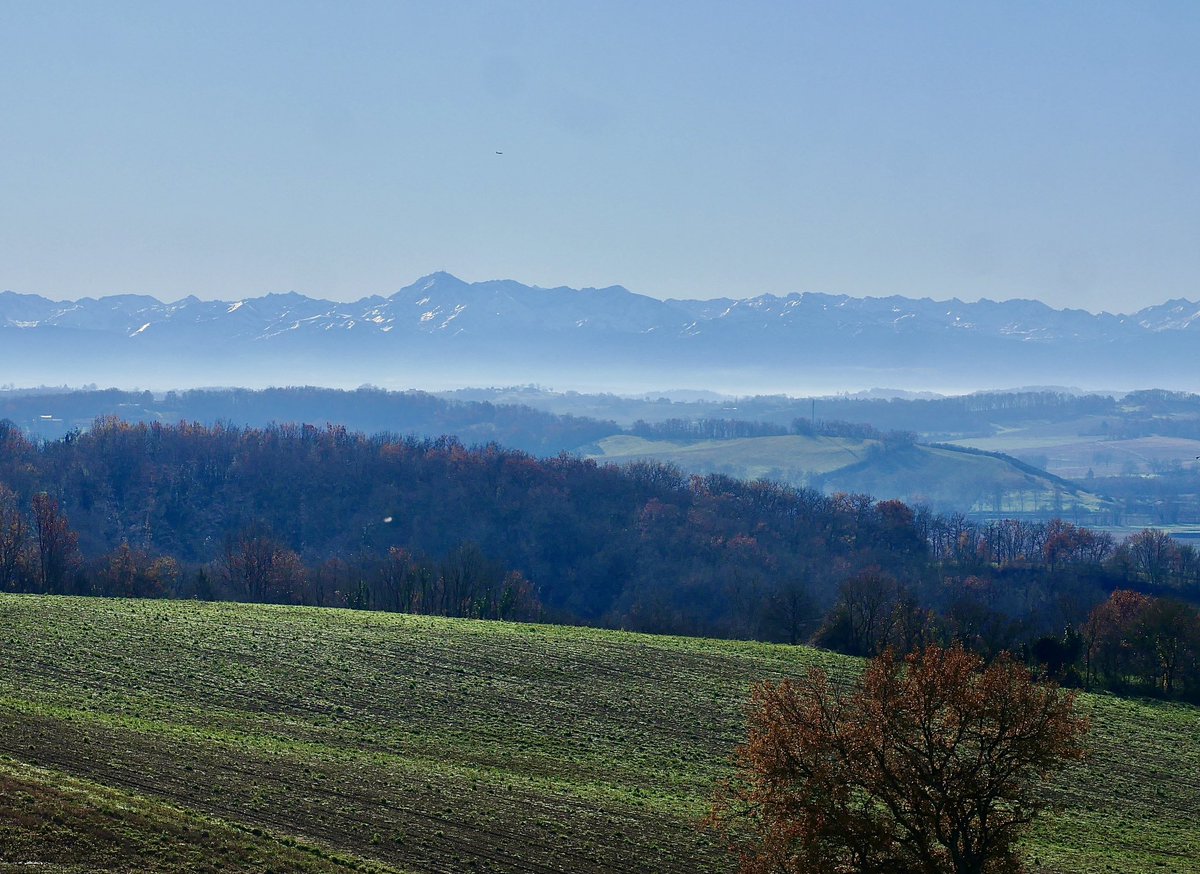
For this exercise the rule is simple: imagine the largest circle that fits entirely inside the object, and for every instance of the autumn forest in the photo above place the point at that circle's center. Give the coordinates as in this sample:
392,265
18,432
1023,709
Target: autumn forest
324,516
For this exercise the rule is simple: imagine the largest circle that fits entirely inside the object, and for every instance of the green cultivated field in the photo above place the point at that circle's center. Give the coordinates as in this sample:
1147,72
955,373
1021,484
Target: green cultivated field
179,736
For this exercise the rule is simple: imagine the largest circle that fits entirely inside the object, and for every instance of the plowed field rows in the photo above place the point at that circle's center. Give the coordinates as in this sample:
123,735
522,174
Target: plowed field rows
429,745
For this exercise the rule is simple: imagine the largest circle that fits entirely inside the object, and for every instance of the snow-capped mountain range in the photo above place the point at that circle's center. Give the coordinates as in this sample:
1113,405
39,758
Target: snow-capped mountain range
443,330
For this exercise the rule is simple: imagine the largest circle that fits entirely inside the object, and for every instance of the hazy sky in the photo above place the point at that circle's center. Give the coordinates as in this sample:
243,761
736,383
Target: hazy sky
966,149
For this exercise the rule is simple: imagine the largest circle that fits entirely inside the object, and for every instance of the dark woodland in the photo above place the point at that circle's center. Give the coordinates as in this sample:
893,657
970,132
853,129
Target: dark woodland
324,516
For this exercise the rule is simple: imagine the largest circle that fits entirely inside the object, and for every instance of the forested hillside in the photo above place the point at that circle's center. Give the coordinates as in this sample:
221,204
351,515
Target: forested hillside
51,415
300,514
1121,462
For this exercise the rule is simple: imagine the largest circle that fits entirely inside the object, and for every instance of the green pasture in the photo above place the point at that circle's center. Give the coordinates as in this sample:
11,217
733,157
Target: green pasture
787,458
935,476
1072,455
149,734
947,478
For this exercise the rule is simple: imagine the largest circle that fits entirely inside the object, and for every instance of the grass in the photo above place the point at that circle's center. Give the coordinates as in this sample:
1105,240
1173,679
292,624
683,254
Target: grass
1072,456
936,476
788,458
297,736
947,478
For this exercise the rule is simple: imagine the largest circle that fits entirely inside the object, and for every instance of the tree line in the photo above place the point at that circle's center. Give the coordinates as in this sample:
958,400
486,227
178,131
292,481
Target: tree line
368,409
735,429
325,516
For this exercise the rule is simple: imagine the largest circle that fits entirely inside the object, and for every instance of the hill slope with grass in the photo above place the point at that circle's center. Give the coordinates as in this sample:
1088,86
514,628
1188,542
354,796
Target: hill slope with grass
789,458
945,478
391,742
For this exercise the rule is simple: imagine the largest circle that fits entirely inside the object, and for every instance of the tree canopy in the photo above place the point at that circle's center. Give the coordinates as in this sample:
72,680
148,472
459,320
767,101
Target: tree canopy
934,764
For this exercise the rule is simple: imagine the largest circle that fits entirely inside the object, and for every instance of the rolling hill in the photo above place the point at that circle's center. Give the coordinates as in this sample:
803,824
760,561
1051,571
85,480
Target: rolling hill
946,478
263,735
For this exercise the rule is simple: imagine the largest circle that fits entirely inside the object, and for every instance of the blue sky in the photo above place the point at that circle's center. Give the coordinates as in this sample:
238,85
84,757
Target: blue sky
688,149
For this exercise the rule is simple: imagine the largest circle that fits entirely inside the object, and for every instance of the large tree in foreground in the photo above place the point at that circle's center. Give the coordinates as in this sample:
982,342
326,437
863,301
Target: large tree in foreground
933,764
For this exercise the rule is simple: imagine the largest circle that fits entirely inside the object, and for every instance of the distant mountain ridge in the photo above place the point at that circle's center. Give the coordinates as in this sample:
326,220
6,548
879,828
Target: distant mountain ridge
443,328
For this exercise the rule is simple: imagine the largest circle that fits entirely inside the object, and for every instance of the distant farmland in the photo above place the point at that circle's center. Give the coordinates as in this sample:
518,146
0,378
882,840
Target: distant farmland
940,476
178,736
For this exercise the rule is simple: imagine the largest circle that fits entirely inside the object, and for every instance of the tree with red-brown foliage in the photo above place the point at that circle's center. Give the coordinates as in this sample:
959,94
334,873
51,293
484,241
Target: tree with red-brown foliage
1109,638
933,764
1136,639
259,568
132,573
57,546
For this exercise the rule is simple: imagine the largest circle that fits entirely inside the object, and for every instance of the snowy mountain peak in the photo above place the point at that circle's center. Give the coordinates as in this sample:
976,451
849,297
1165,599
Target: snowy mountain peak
504,320
439,281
